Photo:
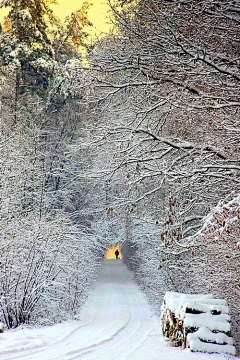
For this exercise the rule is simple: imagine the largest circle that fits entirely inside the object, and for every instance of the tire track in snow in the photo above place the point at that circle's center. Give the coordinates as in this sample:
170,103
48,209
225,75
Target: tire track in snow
81,354
107,343
130,333
41,348
115,316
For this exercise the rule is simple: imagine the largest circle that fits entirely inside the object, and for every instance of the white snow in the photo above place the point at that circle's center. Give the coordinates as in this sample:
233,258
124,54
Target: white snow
207,335
212,301
197,345
212,322
206,307
180,312
115,324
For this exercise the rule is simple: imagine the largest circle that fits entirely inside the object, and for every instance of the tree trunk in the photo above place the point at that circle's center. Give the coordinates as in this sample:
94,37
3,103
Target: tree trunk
17,94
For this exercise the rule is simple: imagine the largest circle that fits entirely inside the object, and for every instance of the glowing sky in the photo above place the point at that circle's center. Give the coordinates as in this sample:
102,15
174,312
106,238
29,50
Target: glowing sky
110,254
98,13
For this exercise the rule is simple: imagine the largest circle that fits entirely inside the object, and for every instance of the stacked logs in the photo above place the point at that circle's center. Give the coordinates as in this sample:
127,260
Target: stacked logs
197,321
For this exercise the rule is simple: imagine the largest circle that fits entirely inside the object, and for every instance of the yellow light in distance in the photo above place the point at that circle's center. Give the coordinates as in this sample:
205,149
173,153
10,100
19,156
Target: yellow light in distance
110,254
98,15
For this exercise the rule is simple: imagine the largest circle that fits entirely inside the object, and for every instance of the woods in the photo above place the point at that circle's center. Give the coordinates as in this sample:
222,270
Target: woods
167,103
44,244
137,144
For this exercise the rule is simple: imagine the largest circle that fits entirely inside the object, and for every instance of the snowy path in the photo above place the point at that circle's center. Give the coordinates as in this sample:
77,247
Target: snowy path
116,324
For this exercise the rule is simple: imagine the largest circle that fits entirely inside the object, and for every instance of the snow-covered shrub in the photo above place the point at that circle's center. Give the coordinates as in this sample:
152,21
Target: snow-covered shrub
46,266
47,258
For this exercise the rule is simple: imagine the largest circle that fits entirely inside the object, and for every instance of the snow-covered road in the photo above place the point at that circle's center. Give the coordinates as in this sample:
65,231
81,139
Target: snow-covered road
116,324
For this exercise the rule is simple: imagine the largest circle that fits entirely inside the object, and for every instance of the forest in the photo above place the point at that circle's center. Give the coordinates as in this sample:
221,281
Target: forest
131,140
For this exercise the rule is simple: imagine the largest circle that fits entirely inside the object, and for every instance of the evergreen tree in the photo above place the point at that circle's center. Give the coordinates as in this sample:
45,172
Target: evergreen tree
25,45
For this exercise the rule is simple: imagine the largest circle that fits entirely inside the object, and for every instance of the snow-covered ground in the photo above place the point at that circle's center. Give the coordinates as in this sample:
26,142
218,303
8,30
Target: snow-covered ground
115,324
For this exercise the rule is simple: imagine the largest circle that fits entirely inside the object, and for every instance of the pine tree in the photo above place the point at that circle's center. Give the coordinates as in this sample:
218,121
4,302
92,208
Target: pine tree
26,48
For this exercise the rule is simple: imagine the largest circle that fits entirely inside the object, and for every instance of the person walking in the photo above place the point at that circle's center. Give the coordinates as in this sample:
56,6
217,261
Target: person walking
117,254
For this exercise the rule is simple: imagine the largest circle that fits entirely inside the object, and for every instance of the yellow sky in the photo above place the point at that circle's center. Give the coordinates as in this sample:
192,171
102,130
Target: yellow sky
110,254
98,13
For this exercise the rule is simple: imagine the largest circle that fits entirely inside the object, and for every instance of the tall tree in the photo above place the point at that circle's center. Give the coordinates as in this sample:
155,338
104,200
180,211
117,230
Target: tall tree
71,35
167,86
26,49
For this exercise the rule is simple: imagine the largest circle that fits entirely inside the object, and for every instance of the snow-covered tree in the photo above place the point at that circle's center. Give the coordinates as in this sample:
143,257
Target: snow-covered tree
164,96
26,48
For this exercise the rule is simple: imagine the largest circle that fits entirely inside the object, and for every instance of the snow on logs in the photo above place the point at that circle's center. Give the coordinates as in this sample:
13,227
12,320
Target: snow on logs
197,321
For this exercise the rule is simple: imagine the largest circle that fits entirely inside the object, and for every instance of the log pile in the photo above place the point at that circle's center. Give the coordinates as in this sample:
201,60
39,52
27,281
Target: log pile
198,322
1,328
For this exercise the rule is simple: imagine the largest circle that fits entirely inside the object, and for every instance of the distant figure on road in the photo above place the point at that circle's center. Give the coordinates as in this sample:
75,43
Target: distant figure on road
117,254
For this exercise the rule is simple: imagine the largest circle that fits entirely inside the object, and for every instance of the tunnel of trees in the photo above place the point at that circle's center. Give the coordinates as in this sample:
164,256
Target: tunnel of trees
139,147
